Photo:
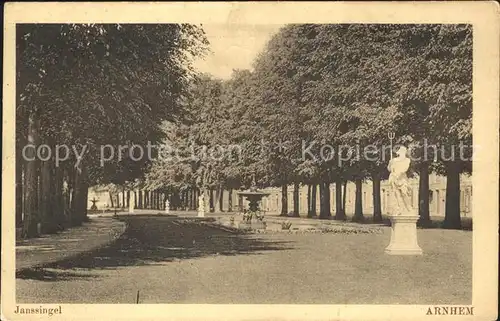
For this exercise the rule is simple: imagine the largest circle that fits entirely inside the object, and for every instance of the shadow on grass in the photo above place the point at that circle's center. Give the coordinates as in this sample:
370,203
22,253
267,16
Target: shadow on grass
158,239
43,274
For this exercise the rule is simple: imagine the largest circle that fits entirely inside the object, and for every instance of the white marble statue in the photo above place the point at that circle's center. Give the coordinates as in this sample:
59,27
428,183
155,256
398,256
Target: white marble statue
167,206
398,179
201,205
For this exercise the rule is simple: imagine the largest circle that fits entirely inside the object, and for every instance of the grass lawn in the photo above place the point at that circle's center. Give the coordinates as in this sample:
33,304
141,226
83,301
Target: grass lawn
182,261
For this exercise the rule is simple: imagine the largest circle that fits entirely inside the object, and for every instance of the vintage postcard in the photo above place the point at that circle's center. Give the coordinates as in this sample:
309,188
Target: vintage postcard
250,161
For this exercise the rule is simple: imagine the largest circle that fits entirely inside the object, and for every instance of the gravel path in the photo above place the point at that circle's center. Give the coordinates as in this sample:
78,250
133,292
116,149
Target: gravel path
96,233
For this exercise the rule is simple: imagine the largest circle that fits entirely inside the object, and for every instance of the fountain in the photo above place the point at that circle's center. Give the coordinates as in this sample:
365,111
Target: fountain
253,218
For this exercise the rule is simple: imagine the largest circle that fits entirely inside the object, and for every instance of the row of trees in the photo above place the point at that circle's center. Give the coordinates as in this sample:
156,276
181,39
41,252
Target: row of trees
344,85
86,86
83,86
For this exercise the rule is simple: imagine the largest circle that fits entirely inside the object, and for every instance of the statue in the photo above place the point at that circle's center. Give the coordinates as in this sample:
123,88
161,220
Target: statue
131,204
201,205
404,219
167,206
399,181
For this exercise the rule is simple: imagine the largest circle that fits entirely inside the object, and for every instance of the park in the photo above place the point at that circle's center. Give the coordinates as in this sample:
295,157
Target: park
334,168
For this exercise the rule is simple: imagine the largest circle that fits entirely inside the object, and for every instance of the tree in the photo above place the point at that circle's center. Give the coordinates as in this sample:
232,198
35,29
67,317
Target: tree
440,88
74,81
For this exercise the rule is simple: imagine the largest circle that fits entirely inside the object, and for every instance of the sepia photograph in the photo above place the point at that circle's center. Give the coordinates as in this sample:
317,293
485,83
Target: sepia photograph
230,161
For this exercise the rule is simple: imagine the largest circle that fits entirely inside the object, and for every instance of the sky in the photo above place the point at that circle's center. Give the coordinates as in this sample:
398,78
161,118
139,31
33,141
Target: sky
233,47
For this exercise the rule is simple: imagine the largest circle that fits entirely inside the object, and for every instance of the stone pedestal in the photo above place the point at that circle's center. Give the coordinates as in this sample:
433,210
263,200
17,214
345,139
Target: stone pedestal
404,236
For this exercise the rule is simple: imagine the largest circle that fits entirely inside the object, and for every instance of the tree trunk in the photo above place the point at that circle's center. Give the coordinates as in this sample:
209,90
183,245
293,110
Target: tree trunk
80,193
84,196
80,196
230,201
76,198
377,203
339,210
221,200
67,185
296,187
31,217
193,198
211,201
321,199
123,197
58,200
20,169
452,214
284,200
344,197
139,204
358,207
216,198
314,193
46,210
309,200
39,198
196,194
423,195
324,196
19,188
128,199
328,199
173,200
